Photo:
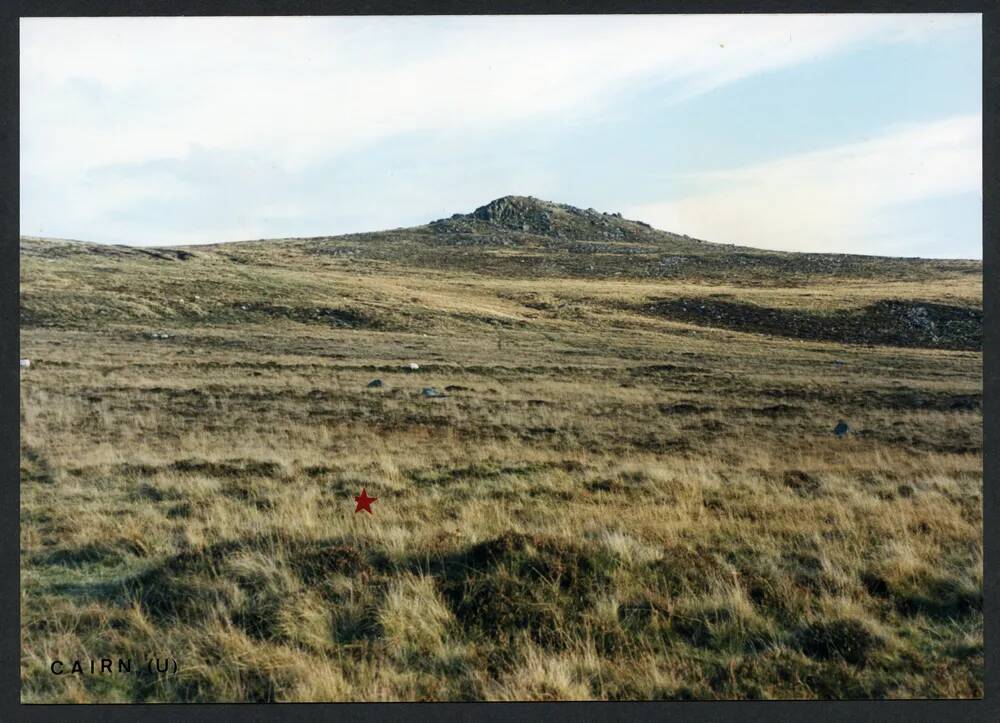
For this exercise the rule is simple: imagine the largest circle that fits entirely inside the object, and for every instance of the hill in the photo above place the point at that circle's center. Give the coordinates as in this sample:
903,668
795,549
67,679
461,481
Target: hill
518,237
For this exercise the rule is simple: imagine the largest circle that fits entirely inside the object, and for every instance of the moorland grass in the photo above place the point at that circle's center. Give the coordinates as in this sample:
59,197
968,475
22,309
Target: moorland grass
607,505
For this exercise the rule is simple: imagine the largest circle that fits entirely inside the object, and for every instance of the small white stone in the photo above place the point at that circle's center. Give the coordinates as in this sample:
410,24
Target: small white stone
25,363
414,366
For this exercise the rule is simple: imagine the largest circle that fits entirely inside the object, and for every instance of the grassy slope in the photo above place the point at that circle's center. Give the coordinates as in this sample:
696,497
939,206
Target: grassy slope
609,504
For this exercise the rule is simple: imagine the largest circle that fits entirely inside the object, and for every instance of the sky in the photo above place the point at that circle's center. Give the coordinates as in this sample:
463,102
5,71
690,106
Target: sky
832,133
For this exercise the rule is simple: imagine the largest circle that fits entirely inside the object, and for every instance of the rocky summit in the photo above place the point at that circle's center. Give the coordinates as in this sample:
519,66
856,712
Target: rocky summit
530,215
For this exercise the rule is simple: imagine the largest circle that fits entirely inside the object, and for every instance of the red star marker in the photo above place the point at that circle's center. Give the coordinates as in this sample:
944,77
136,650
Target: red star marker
364,502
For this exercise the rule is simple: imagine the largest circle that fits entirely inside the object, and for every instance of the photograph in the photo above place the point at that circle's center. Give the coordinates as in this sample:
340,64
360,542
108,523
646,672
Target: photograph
427,358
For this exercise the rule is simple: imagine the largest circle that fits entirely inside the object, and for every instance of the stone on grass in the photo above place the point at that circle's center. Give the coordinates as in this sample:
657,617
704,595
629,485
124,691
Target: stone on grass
374,383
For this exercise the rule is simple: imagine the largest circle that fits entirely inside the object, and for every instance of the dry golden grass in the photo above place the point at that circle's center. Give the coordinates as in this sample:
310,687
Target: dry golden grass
609,505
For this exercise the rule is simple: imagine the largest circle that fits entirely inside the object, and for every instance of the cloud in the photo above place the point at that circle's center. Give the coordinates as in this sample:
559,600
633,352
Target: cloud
832,198
296,94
